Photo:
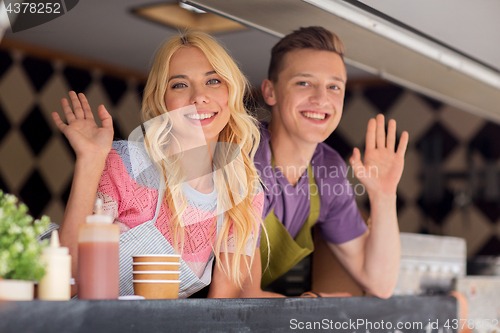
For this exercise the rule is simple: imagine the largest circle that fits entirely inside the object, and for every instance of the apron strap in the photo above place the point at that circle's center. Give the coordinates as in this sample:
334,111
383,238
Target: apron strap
284,251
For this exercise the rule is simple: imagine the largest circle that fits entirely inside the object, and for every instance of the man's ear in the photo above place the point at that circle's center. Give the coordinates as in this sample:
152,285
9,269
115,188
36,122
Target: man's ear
267,88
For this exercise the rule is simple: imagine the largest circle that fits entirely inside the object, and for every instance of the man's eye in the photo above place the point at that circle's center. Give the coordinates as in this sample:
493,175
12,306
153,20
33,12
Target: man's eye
213,81
303,83
178,85
334,87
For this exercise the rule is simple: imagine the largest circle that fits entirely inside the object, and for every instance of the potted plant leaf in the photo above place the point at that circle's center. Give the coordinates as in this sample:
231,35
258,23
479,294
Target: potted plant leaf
20,263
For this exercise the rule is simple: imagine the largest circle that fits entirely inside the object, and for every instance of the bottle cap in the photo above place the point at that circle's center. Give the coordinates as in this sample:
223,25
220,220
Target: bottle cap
99,217
55,247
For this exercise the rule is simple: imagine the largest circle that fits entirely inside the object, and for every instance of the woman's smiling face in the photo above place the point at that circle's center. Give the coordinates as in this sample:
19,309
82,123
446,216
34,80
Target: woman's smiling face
193,81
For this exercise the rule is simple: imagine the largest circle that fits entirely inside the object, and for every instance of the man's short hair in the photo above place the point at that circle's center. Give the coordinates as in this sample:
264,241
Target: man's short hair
315,38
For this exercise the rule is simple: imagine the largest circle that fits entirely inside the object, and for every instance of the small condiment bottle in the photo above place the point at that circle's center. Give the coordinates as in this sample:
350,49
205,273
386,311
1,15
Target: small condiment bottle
55,284
98,257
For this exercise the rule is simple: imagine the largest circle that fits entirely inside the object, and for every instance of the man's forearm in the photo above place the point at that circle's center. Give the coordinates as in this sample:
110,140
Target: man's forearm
383,247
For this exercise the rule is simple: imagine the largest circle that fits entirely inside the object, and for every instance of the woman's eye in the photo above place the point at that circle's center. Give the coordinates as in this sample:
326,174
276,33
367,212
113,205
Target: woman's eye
178,85
213,81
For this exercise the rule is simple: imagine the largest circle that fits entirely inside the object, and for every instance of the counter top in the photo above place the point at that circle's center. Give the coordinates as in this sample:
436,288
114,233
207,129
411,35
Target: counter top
351,314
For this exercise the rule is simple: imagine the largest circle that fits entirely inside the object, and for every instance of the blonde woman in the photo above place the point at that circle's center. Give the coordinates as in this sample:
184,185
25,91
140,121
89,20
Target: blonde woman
186,182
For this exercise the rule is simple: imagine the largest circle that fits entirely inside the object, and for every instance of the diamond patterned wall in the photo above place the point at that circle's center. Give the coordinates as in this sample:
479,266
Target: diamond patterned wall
450,186
36,161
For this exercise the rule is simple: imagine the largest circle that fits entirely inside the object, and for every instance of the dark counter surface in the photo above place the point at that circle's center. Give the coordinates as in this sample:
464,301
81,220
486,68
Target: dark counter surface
231,315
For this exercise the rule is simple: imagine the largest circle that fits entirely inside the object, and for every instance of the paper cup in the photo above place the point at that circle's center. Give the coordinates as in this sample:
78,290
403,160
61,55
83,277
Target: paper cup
157,289
155,266
156,257
156,275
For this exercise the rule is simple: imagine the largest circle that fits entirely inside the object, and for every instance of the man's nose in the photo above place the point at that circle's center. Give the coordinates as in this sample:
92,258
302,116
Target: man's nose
319,96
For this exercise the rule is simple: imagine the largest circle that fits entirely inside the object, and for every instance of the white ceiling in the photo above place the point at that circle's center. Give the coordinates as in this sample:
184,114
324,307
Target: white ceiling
106,31
471,26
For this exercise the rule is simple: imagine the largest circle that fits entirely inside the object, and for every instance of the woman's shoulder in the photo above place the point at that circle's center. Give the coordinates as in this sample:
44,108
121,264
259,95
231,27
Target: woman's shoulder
120,146
125,148
133,157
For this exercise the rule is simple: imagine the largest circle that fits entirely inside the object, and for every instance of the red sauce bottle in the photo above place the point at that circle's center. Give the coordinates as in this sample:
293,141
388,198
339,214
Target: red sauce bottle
98,257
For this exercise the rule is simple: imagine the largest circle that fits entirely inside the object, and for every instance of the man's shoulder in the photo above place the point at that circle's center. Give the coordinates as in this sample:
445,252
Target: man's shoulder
328,167
264,132
263,155
327,156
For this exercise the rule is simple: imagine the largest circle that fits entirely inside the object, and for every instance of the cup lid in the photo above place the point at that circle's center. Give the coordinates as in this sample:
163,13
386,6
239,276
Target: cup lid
156,255
156,281
156,272
155,263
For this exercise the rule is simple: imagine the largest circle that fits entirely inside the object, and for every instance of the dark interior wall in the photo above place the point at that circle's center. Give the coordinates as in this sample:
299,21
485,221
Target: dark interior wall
450,185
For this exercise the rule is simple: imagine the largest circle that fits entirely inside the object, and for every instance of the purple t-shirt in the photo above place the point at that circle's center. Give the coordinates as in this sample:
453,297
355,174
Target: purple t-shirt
339,217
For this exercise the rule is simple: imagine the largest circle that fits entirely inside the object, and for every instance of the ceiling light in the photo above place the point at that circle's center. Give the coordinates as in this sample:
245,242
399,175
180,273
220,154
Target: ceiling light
191,8
185,17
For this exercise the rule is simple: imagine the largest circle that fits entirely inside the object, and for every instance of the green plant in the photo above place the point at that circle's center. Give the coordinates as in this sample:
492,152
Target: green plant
19,248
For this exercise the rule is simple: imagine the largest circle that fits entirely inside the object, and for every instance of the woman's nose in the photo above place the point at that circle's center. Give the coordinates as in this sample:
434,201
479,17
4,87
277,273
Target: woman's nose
199,95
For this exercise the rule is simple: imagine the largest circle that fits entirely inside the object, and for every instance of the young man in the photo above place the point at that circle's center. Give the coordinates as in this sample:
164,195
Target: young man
305,178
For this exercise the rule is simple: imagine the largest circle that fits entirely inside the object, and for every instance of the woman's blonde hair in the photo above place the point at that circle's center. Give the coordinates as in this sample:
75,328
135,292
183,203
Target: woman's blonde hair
236,182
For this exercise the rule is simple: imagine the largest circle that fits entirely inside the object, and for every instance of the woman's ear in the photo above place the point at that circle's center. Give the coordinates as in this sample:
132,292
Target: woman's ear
268,92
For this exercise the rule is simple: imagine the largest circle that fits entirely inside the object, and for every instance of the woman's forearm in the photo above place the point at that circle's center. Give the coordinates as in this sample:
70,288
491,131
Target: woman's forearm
80,205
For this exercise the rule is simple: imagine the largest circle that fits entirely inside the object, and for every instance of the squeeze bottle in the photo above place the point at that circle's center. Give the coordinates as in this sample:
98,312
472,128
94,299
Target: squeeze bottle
55,285
98,257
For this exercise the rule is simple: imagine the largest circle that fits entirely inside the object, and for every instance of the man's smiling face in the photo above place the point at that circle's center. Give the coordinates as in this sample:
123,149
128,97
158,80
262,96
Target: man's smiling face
308,96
